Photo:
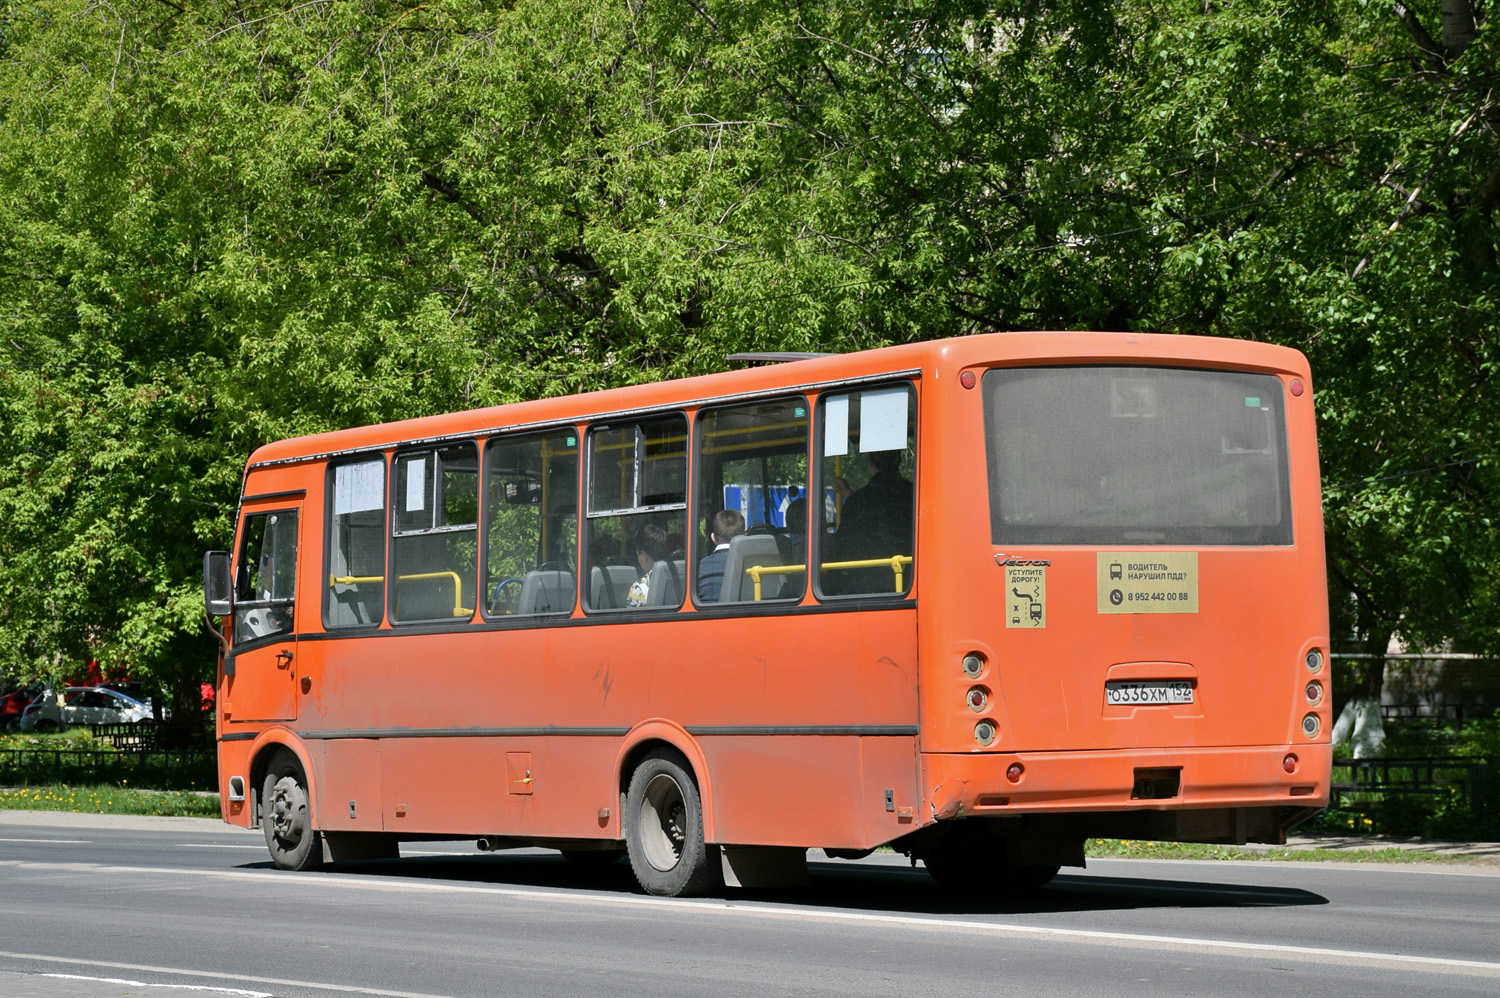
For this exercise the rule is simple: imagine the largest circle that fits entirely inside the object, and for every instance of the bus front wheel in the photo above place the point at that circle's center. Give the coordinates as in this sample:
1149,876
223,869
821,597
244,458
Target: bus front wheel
664,829
286,818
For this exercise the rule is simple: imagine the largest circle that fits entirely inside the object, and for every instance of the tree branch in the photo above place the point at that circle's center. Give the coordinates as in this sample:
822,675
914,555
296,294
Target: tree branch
1435,56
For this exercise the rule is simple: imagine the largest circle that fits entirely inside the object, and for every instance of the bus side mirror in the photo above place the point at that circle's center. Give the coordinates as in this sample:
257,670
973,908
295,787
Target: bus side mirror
216,588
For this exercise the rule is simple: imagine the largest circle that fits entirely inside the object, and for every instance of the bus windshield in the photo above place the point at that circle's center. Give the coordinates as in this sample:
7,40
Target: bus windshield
1136,455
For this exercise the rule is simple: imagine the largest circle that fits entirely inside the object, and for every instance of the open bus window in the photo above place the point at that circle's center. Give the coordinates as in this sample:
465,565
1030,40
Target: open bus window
752,503
867,445
637,515
265,587
435,550
531,523
1136,455
356,544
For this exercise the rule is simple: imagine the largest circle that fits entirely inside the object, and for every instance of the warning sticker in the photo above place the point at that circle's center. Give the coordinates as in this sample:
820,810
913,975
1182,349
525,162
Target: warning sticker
1148,581
1025,596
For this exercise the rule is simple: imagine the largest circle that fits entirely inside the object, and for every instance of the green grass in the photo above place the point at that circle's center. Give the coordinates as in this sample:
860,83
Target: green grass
110,800
1138,849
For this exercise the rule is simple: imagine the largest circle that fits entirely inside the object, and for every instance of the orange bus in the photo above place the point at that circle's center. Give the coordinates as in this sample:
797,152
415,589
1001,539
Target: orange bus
975,599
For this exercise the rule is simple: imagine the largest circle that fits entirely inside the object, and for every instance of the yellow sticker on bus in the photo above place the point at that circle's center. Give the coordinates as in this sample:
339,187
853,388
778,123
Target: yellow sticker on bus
1148,581
1025,596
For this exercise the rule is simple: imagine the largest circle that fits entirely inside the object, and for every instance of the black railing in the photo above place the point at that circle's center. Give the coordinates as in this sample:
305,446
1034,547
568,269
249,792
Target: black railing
136,756
1472,776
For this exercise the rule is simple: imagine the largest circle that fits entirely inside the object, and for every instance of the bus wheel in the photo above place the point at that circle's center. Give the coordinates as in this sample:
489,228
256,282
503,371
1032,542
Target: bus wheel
664,829
970,863
285,817
1032,877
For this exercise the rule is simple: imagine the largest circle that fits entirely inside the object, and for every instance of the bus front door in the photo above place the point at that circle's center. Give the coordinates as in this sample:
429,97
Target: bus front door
262,685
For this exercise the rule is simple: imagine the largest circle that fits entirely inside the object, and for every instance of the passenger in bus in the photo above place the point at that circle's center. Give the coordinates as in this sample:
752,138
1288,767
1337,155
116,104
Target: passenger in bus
727,525
876,522
795,519
651,546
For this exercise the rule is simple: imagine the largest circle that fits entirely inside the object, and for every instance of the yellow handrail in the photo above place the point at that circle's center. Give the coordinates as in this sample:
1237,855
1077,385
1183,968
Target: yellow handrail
458,585
756,571
896,563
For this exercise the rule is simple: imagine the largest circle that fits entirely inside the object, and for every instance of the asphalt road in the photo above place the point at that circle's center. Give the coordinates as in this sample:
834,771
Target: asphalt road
99,908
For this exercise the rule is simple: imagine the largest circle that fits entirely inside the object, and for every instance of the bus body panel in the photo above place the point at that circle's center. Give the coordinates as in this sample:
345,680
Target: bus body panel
834,725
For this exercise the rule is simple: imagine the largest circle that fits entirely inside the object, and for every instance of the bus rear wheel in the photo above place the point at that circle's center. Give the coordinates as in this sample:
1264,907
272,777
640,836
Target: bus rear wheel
286,818
664,829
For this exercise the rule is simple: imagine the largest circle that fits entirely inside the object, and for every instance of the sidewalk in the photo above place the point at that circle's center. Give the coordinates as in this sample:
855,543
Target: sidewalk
1489,851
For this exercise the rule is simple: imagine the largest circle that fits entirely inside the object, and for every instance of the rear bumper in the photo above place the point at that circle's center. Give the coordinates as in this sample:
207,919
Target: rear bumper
1224,780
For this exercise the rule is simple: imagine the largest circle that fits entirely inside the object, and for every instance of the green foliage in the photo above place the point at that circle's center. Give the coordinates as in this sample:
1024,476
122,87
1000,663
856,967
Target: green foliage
110,800
229,224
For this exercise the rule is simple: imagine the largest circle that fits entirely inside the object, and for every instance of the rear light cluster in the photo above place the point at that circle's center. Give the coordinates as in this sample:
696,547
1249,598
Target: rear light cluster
977,699
1312,691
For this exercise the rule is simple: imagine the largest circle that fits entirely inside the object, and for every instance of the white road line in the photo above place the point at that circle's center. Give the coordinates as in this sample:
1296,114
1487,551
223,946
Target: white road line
212,975
1229,947
53,842
258,846
179,987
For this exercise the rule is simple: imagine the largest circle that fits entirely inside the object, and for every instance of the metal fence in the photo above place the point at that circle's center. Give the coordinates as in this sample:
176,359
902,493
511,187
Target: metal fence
1477,778
137,757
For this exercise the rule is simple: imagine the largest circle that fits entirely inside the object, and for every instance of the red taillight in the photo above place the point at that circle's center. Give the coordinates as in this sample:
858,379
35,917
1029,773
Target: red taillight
1289,763
966,379
1314,692
1296,388
977,698
1013,774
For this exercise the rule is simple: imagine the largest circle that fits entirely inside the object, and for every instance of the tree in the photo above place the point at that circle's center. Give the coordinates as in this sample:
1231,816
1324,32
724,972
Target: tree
229,224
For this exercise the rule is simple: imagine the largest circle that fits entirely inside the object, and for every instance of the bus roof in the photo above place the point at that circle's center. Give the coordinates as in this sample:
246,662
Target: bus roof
833,369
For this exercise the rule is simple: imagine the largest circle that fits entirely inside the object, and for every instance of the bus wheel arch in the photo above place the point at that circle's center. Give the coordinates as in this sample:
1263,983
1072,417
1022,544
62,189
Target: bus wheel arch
284,806
663,824
658,734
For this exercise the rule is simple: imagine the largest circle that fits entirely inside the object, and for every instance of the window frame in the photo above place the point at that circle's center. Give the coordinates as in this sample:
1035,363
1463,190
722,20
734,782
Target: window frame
239,566
500,440
329,473
701,509
588,513
817,537
393,533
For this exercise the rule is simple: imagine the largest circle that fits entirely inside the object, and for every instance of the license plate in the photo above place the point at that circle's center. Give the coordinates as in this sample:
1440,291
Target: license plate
1148,692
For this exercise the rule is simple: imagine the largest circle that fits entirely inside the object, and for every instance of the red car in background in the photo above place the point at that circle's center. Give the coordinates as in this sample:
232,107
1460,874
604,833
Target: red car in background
13,705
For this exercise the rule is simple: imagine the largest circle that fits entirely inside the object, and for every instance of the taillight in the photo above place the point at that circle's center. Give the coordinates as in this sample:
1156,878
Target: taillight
973,665
1311,725
1314,660
1314,693
1289,763
1013,772
977,698
984,732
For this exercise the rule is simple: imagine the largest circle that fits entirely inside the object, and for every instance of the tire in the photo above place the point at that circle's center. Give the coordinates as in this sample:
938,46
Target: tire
1029,878
286,817
664,829
46,725
970,865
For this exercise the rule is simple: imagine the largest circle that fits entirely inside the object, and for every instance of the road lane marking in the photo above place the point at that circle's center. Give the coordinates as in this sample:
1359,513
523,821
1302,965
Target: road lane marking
212,975
178,987
53,842
257,846
1226,947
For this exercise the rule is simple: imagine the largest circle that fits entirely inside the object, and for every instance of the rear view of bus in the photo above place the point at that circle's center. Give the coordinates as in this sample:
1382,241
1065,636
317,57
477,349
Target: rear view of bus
1133,639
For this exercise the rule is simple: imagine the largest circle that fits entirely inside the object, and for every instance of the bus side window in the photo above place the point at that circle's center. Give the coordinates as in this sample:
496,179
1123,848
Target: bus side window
356,544
267,579
637,515
752,503
435,546
867,445
531,524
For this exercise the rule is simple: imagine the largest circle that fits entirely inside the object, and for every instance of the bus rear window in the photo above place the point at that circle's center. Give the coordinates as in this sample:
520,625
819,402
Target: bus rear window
1136,455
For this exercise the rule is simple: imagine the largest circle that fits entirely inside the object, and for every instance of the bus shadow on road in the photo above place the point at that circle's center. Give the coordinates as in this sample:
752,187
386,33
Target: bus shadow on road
875,887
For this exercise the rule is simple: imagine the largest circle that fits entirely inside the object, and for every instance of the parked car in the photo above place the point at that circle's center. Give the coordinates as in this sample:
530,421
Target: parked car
82,705
14,703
